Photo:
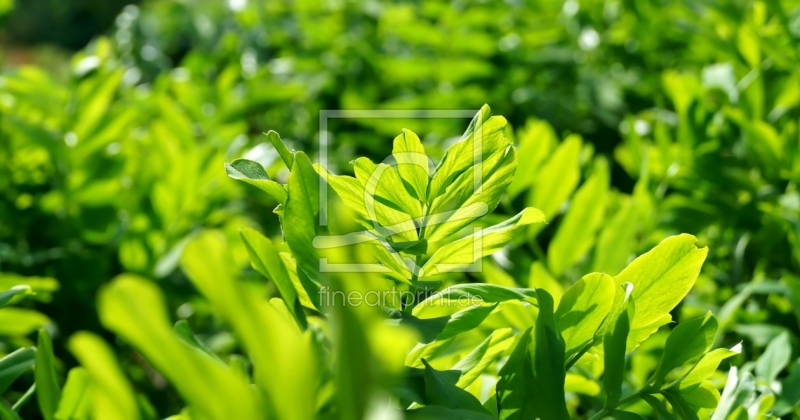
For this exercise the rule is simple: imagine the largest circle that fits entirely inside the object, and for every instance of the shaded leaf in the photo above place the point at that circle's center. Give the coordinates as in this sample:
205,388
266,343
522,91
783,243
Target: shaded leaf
48,393
614,346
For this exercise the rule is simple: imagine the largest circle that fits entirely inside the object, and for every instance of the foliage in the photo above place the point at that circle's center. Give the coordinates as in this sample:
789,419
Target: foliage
630,122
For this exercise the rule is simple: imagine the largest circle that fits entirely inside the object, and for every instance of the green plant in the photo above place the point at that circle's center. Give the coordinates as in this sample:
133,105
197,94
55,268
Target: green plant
427,353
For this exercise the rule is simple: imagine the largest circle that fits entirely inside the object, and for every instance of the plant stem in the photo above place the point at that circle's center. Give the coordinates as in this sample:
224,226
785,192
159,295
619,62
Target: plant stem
412,288
607,411
577,356
537,250
24,398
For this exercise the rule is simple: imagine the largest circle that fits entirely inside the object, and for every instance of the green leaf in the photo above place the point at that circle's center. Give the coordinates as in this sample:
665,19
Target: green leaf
134,308
283,151
254,174
682,408
435,412
15,364
515,382
7,413
576,233
282,360
384,220
371,244
476,362
480,292
304,286
465,200
540,278
412,163
687,341
547,353
614,346
112,396
7,295
17,321
537,142
382,183
791,385
706,366
48,392
705,395
617,239
483,137
439,391
557,178
185,333
580,385
265,258
625,415
582,310
445,327
75,400
438,333
301,215
734,393
775,357
460,254
661,278
658,407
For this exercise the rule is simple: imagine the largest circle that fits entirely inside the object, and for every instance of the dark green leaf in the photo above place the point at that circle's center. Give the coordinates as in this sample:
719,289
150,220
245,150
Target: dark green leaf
547,353
14,365
48,393
515,383
439,391
688,340
614,344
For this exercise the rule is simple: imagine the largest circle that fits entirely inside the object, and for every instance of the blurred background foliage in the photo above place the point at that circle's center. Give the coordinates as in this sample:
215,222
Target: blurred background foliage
676,116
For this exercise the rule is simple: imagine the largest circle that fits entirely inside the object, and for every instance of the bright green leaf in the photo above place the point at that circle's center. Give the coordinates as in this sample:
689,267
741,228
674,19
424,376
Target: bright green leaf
582,310
75,400
112,396
576,233
557,178
661,278
412,163
462,253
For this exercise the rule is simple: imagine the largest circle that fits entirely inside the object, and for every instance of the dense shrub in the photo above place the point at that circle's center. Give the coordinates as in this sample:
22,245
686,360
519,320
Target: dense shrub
632,121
